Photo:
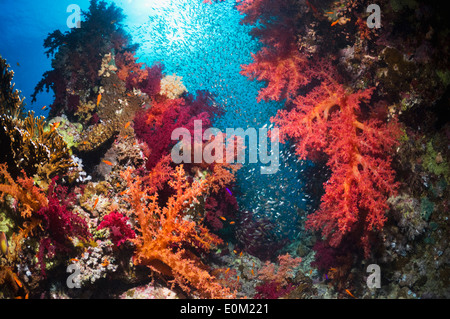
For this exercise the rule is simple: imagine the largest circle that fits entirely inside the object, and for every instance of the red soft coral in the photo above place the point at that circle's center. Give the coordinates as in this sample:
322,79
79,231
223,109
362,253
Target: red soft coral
327,122
277,283
284,74
60,225
155,126
278,62
148,80
119,230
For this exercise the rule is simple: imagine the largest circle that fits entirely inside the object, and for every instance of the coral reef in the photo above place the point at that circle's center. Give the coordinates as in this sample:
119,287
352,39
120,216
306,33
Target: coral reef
78,56
363,168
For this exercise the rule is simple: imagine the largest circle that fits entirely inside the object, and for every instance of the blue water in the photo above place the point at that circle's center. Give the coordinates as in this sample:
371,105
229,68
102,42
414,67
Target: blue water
205,44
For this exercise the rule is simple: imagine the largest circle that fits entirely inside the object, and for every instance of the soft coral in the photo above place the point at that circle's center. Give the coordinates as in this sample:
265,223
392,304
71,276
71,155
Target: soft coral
328,122
60,225
120,231
284,74
170,238
155,126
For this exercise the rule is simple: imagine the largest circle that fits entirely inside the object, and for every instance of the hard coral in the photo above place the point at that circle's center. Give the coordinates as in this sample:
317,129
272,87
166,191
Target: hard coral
169,237
328,121
28,146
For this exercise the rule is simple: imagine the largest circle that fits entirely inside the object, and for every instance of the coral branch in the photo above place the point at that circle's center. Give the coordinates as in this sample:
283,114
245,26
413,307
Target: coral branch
169,236
326,123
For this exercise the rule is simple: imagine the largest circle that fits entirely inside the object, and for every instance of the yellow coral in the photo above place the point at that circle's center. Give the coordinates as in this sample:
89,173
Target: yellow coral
172,86
27,146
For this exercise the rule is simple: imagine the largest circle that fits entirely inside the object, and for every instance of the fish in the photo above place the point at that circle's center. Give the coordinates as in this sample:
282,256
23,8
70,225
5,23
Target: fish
228,269
335,22
18,64
74,260
311,6
118,184
44,107
99,98
349,293
108,163
310,272
232,223
333,269
4,243
222,218
127,124
122,192
237,278
253,273
330,12
105,262
55,126
229,192
18,282
240,254
95,204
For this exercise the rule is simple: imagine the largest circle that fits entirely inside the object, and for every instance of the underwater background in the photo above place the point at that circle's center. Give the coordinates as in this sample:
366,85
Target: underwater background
89,184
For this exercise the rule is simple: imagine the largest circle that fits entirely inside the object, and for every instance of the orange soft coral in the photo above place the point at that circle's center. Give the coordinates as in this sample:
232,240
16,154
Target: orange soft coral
30,197
170,239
